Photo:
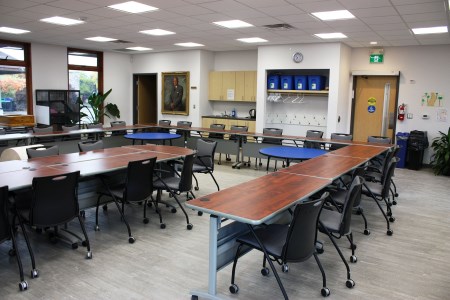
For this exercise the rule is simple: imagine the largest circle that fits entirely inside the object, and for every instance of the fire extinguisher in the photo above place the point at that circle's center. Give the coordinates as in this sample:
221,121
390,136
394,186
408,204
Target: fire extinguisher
401,112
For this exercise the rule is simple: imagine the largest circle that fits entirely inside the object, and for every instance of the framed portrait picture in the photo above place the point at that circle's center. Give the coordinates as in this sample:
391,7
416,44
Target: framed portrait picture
175,93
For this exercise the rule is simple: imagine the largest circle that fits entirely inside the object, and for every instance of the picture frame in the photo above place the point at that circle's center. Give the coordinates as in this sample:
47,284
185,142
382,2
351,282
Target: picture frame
175,93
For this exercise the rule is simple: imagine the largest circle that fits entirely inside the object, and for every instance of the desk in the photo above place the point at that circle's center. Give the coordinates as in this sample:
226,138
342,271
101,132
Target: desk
152,136
290,153
361,151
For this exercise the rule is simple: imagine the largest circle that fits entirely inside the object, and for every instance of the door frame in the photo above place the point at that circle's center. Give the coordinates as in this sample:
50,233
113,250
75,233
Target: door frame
135,94
373,74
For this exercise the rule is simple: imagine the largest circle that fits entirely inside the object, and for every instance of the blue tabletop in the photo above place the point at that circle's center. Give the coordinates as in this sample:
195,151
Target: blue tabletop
292,152
152,136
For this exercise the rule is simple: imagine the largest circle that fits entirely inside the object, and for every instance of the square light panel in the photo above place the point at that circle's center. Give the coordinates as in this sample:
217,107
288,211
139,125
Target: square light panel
334,35
133,7
13,30
189,44
157,32
333,15
252,40
100,39
430,30
233,24
139,48
62,21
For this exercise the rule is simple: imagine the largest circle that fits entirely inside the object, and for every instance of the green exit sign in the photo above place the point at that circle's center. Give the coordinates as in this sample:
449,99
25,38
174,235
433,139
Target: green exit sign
376,58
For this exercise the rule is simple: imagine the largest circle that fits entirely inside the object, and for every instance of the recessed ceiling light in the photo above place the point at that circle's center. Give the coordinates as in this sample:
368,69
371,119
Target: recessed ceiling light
190,44
133,7
157,32
334,35
62,21
430,30
139,48
13,30
373,43
100,39
252,40
334,15
233,24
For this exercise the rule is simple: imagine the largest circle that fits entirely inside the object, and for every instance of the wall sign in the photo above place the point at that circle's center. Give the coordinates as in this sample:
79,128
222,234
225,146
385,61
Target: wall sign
371,109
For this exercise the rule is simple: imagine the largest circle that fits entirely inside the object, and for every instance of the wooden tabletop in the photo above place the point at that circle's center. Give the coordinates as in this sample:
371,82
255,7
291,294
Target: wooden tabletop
162,149
362,151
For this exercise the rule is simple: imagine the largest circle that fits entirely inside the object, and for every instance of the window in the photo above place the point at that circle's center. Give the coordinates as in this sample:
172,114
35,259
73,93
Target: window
15,78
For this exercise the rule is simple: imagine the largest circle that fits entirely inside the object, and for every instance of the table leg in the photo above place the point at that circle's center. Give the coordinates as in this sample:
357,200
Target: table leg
267,167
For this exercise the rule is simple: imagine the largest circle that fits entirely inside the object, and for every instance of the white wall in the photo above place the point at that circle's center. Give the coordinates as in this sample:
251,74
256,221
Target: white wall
422,69
236,60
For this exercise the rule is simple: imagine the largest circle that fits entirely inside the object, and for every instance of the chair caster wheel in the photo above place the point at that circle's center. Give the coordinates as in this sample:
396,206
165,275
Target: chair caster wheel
189,226
131,240
89,255
194,297
105,207
23,285
97,228
394,202
219,163
196,188
234,167
234,289
173,210
34,273
353,247
260,164
200,213
238,168
350,283
325,292
83,214
389,213
75,246
392,219
285,268
12,252
149,204
162,225
228,159
38,230
390,232
366,232
84,243
265,271
396,194
389,204
353,259
145,221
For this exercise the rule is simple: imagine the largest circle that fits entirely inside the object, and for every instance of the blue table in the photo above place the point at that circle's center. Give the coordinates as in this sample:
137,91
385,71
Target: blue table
290,153
152,136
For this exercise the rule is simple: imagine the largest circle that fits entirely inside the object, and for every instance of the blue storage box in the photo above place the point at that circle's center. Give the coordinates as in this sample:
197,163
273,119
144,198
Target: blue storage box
301,82
316,82
273,82
286,82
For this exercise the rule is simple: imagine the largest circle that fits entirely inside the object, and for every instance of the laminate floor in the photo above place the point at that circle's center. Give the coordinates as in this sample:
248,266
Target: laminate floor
168,263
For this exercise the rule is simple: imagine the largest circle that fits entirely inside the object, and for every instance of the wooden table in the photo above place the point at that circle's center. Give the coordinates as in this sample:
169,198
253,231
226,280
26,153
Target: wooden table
152,136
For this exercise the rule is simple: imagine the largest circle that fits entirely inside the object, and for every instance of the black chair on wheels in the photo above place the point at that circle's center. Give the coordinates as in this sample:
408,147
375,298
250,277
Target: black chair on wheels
285,243
235,138
340,136
164,123
53,202
43,139
7,233
136,189
273,141
218,136
175,185
42,151
118,124
90,145
204,161
71,137
314,134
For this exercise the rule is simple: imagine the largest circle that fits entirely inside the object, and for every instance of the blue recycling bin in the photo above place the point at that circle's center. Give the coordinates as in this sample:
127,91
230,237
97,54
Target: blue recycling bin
402,142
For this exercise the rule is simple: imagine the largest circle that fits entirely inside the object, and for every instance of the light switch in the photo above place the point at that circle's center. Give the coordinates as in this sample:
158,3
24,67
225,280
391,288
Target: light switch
409,116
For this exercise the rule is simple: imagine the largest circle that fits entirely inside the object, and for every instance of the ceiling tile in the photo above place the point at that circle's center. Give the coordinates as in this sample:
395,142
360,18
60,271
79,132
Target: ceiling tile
421,8
351,4
72,5
374,12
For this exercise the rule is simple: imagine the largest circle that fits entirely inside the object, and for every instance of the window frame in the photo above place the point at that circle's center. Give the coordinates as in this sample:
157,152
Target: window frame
98,68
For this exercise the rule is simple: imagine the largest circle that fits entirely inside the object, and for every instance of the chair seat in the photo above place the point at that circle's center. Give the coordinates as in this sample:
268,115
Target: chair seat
273,237
117,191
171,182
331,220
338,196
199,168
375,187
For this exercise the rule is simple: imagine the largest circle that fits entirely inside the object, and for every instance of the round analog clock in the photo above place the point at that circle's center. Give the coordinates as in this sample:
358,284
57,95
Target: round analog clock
297,57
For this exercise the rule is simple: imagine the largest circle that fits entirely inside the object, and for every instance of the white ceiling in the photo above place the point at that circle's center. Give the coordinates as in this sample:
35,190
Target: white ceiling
388,22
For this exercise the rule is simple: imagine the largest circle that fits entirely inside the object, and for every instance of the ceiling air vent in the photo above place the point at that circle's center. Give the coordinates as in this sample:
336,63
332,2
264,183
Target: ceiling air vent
124,50
282,26
121,42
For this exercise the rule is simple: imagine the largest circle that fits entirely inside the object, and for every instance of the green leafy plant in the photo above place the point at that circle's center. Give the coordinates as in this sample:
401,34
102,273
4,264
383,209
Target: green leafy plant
440,160
97,109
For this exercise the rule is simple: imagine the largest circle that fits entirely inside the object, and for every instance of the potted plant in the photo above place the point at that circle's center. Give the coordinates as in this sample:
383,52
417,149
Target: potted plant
95,108
440,160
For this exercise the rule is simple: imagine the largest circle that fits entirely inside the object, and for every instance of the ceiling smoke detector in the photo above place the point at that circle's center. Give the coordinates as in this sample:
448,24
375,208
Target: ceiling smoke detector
282,26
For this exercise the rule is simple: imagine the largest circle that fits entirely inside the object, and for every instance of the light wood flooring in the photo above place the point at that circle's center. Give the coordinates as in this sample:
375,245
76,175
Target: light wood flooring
414,263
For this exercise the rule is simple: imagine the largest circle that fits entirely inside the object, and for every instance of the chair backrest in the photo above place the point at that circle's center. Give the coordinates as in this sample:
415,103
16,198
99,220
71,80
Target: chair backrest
205,153
94,126
215,135
2,131
55,199
379,139
90,145
5,232
315,134
302,234
353,195
139,181
164,123
272,131
233,137
184,124
387,178
48,129
42,151
340,136
69,128
118,123
186,174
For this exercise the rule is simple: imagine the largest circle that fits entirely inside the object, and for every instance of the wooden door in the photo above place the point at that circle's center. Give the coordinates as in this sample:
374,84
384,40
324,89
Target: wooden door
374,106
215,86
147,99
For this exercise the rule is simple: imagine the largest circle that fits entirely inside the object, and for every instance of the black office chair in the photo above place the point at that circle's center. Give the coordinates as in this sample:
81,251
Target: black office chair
3,143
285,243
379,139
7,233
315,134
44,139
95,136
90,145
164,123
42,151
70,137
175,185
204,161
234,137
184,133
118,124
340,136
53,202
137,188
380,192
216,135
273,141
338,224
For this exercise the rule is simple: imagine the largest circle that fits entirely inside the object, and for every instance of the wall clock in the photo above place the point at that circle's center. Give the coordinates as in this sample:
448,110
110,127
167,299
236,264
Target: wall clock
297,57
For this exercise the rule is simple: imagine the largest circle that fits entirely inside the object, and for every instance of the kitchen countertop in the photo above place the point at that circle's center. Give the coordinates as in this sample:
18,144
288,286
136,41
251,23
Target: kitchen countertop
223,117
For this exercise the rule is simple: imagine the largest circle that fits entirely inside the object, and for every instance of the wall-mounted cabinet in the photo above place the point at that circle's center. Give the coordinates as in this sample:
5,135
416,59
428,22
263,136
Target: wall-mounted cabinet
232,86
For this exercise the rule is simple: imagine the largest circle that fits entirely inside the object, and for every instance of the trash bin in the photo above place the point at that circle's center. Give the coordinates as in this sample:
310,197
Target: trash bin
417,143
402,142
